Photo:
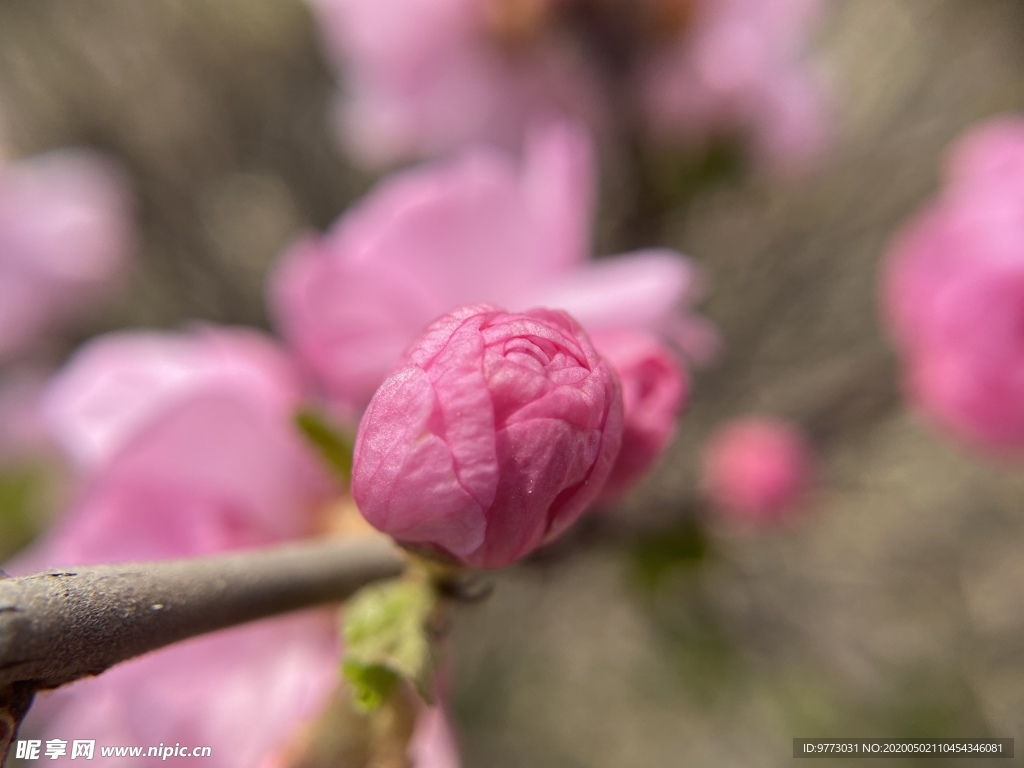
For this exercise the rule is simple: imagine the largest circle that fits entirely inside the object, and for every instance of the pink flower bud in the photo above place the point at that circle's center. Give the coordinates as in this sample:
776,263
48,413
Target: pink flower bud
757,469
491,437
654,392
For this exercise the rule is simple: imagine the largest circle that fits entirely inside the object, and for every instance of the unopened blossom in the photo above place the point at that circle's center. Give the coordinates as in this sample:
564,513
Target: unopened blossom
421,77
478,228
184,445
655,388
491,437
65,233
757,469
953,293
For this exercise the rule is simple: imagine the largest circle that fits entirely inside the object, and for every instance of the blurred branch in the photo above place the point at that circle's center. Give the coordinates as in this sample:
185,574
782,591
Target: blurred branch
60,626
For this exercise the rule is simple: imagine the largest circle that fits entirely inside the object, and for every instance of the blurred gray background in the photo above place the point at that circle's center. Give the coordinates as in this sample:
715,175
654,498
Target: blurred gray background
895,607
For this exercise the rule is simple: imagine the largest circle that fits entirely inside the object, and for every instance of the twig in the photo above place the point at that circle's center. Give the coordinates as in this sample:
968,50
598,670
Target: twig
60,626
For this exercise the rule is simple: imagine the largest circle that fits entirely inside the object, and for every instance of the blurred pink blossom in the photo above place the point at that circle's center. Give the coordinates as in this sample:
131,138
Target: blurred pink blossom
198,464
479,228
655,389
111,388
23,433
185,446
757,469
741,70
953,292
421,77
491,437
65,232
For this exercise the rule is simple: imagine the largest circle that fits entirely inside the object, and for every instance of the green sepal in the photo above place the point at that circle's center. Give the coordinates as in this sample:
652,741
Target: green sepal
372,684
333,444
388,639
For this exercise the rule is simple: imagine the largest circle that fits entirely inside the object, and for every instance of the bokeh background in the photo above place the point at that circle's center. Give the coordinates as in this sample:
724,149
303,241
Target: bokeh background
893,607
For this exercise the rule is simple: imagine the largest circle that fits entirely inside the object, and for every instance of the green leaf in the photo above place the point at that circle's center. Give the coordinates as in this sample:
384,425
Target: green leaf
334,445
387,639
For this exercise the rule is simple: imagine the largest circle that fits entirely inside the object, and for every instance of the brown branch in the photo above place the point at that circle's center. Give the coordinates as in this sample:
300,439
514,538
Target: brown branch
59,626
14,703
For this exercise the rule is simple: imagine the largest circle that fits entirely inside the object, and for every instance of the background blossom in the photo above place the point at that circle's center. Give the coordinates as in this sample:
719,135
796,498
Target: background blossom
757,469
741,69
23,434
65,234
204,459
422,77
953,293
478,228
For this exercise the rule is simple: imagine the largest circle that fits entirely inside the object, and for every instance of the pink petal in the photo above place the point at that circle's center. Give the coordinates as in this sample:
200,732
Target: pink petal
243,692
477,229
646,290
65,234
116,383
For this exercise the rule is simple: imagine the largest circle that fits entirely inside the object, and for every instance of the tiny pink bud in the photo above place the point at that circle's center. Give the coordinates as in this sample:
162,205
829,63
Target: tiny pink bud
491,437
757,469
654,393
